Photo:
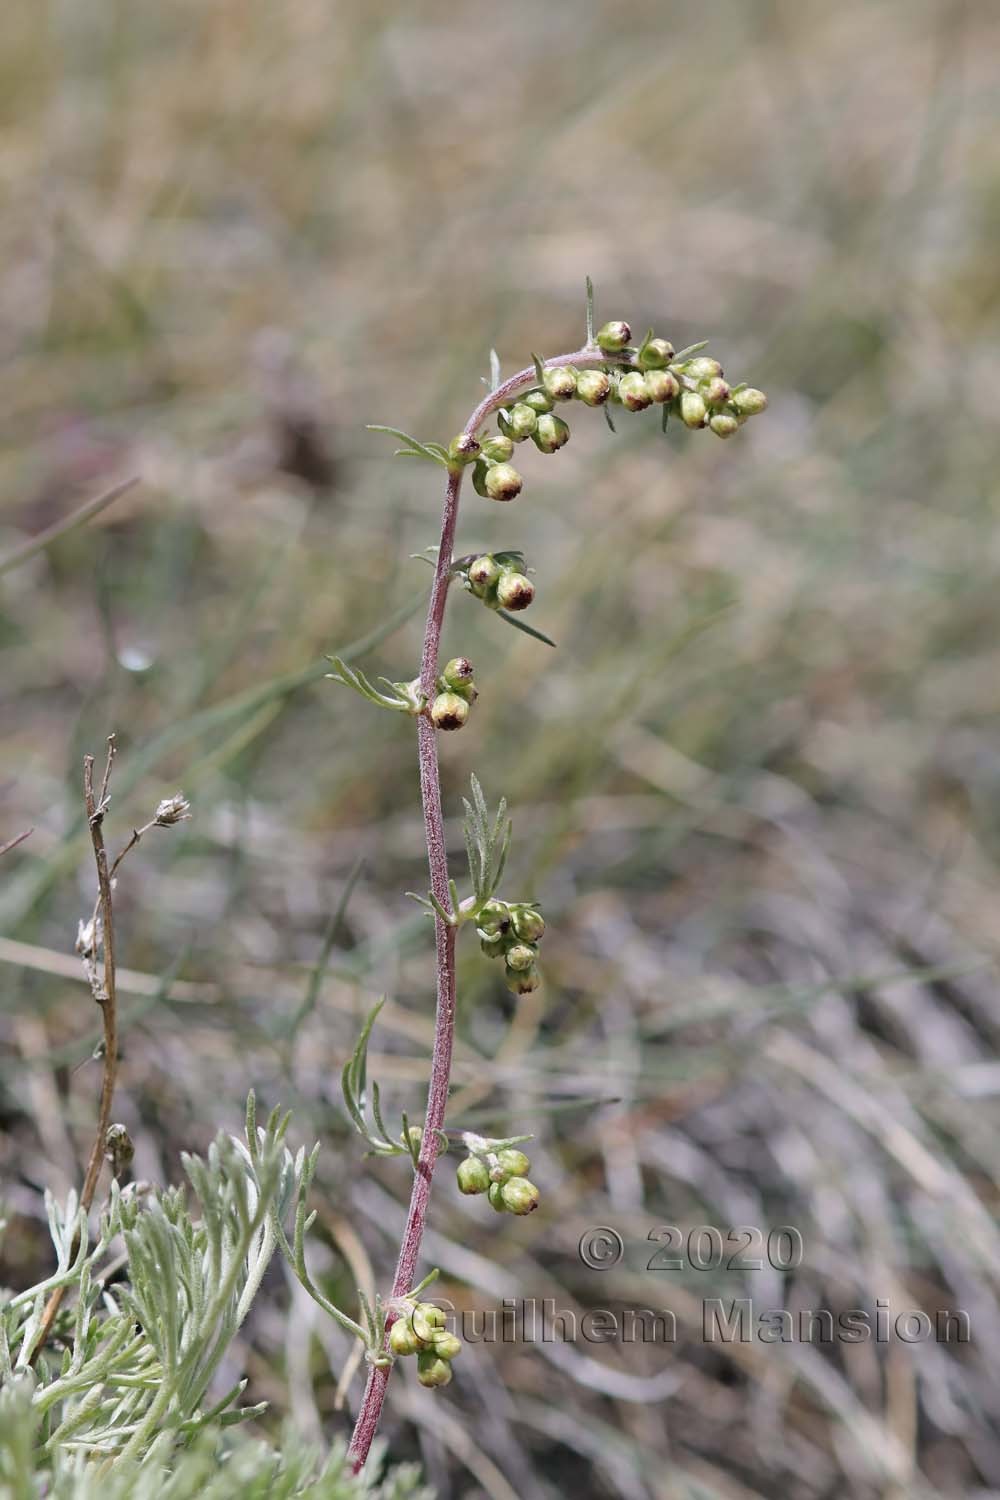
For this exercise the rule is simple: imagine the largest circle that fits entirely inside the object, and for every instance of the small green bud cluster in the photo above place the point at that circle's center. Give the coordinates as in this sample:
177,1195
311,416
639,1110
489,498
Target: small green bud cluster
502,1175
532,416
500,581
694,390
512,931
421,1331
457,691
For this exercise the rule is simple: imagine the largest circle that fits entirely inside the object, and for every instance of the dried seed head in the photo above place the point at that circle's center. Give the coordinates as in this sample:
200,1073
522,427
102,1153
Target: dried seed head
614,336
515,591
172,810
118,1148
449,711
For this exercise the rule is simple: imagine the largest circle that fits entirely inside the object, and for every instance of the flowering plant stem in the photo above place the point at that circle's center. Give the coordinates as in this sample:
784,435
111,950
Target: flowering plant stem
437,857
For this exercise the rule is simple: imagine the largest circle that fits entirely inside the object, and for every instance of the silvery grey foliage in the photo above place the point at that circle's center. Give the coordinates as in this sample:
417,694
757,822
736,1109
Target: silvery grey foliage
120,1401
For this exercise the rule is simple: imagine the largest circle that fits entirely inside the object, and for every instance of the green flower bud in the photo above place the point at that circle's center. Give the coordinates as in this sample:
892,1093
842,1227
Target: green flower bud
522,981
521,956
520,1196
551,434
432,1370
538,400
523,420
593,387
497,448
449,711
662,385
463,449
633,392
483,573
702,368
447,1345
493,946
655,354
402,1339
503,482
473,1176
613,337
494,918
560,383
694,412
425,1321
515,591
749,401
458,674
513,1163
416,1134
723,425
496,1197
479,474
529,924
714,391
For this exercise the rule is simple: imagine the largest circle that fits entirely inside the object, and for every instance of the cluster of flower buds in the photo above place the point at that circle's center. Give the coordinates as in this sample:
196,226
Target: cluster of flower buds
531,416
420,1330
500,580
690,386
499,1171
456,693
512,931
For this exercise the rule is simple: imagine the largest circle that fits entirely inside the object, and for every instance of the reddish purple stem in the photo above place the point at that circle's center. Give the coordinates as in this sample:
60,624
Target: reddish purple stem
437,858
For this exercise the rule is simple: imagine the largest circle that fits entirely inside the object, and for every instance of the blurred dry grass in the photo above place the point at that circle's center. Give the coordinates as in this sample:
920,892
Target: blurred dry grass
757,787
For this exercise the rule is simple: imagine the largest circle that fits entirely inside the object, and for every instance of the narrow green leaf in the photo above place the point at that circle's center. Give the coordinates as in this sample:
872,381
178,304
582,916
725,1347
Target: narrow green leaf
539,368
412,444
538,635
683,354
608,418
494,370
